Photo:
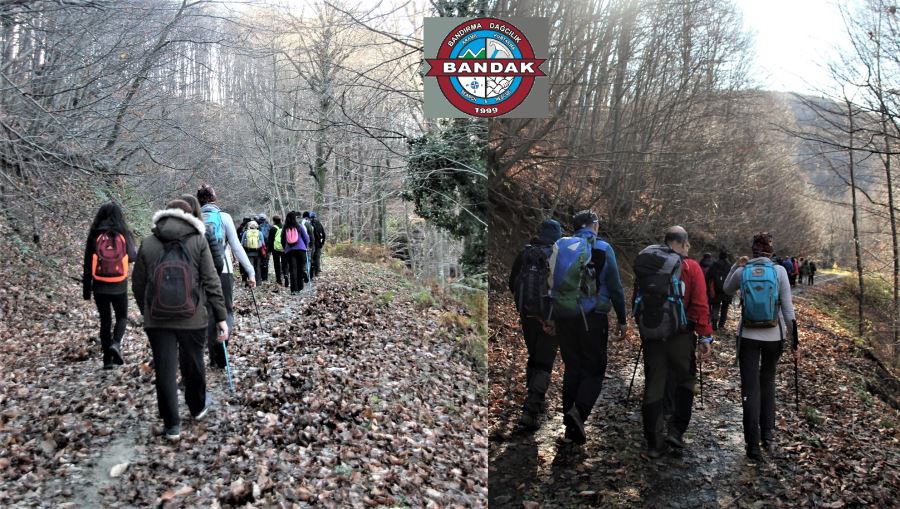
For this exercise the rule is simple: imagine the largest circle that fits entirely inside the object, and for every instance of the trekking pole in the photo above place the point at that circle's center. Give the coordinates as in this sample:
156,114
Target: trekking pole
700,366
796,385
257,307
633,373
228,367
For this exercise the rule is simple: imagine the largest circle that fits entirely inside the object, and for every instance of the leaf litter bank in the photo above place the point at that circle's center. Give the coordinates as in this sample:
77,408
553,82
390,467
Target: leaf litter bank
340,402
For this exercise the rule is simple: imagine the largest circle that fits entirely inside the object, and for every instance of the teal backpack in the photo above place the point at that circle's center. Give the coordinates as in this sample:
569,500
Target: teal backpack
213,219
759,295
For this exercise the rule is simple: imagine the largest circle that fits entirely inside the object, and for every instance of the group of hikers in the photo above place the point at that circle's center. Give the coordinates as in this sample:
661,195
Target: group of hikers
800,271
565,286
182,281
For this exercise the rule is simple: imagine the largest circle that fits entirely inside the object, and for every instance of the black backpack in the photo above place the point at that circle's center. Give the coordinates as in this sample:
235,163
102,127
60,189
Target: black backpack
319,232
718,273
171,292
531,283
659,306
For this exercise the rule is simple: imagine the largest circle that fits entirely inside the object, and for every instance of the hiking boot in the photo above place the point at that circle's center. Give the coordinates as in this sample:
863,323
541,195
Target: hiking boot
173,433
115,354
754,453
108,365
529,421
572,420
675,439
655,453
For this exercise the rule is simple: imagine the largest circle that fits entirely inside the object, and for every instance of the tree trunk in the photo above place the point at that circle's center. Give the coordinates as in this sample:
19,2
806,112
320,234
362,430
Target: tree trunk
855,220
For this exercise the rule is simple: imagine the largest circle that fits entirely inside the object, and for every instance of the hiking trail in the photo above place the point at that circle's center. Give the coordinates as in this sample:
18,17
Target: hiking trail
840,449
350,396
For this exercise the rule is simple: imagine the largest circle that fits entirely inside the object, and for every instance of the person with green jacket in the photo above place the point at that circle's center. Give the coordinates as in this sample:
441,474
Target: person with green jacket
168,336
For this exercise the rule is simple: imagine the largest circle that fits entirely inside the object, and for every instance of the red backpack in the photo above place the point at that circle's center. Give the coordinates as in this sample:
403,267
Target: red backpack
292,236
110,261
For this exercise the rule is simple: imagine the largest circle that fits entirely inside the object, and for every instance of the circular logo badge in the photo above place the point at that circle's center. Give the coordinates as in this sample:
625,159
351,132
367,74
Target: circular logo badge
485,67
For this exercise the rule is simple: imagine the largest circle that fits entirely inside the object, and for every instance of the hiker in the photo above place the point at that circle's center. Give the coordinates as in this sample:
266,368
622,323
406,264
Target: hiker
295,239
528,284
789,268
174,278
109,249
226,235
311,245
804,271
240,235
761,337
719,301
265,251
812,272
254,245
669,316
319,241
273,243
706,262
585,284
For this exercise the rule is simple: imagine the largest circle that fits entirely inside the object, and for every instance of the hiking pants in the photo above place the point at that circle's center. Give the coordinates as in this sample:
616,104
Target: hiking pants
109,335
811,277
216,349
279,259
256,261
584,357
672,360
541,355
263,274
758,360
171,348
718,312
296,269
317,261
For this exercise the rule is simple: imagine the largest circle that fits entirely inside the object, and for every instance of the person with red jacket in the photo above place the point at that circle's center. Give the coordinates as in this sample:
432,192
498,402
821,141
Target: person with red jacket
673,357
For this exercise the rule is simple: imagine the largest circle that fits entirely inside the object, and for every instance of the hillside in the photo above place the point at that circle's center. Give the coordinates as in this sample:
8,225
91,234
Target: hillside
840,449
352,395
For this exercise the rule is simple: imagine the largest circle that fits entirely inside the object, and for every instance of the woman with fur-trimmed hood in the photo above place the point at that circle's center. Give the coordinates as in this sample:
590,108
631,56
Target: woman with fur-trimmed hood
169,335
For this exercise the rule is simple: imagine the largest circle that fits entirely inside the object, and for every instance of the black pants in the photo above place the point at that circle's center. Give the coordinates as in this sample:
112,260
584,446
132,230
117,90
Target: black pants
584,356
669,366
811,277
263,273
718,312
216,349
296,269
758,361
317,261
541,355
279,259
256,262
109,335
172,348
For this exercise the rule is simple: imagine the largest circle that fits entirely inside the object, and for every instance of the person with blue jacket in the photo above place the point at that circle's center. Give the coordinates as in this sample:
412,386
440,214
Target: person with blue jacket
583,339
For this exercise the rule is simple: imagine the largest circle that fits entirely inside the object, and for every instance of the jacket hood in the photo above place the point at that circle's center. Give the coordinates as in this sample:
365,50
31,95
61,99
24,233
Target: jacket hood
174,224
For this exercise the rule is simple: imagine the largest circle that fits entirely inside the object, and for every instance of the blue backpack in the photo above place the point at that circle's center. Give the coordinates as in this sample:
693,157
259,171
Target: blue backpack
573,278
213,219
264,230
788,266
759,295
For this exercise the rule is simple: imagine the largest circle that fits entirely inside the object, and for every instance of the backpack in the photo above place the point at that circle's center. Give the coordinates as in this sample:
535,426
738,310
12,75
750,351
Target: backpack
659,305
277,245
718,273
759,295
531,282
264,230
292,236
171,293
573,277
319,232
251,239
110,260
307,225
213,218
788,266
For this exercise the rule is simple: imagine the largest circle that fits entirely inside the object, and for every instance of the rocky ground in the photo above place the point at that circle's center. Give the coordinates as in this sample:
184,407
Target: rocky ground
839,450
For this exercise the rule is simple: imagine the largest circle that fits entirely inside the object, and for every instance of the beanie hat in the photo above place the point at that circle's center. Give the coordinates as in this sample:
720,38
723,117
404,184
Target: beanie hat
206,194
253,225
762,244
550,231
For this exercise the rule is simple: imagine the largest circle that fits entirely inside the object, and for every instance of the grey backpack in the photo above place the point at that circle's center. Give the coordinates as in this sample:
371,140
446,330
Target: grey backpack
659,304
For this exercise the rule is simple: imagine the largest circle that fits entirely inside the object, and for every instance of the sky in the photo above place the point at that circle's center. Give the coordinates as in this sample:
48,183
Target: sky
793,41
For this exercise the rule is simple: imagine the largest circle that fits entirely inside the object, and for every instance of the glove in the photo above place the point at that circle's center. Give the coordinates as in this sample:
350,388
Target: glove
706,340
796,338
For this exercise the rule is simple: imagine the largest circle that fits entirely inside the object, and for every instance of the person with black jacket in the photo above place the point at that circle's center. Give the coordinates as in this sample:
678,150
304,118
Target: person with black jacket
274,246
719,301
319,242
540,343
179,341
105,275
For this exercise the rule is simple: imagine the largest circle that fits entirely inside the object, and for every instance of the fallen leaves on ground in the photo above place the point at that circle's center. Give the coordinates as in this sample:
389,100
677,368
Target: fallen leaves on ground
343,399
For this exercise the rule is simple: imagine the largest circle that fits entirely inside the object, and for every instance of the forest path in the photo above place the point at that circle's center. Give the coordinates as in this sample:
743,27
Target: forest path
824,451
349,396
